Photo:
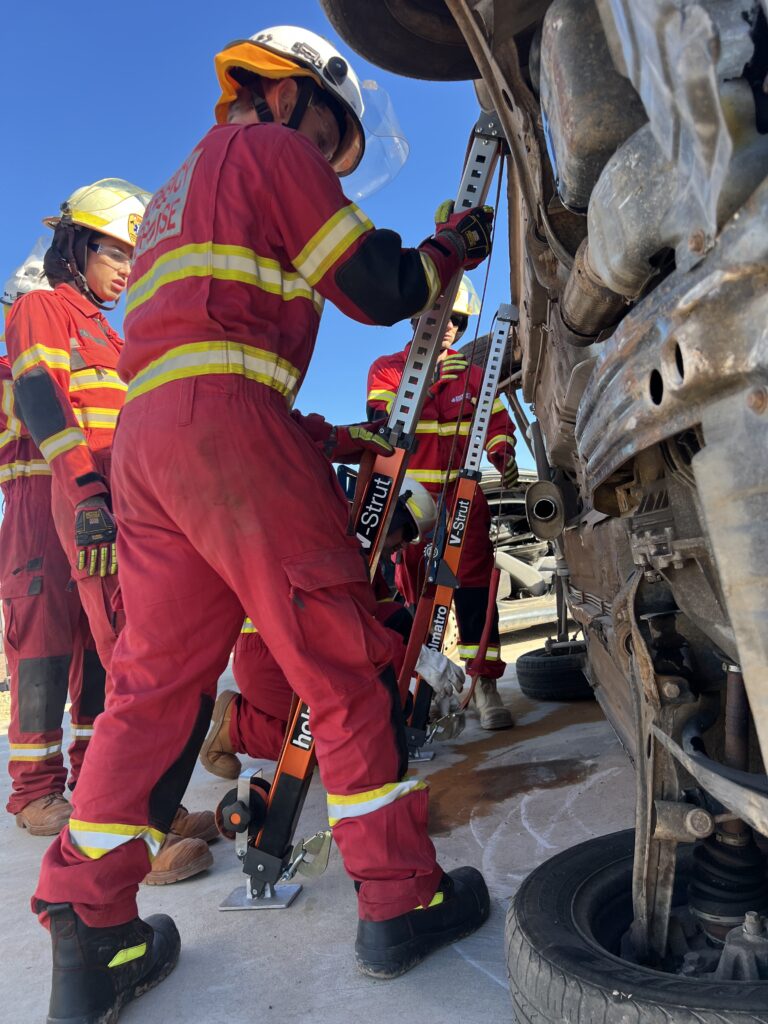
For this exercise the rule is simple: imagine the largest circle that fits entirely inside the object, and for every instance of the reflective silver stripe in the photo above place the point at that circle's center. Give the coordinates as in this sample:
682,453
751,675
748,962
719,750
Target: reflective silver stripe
358,804
94,839
331,241
59,444
33,751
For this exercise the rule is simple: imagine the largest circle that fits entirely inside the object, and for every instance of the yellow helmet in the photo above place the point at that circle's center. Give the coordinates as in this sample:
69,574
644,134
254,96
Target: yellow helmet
286,51
111,206
420,506
467,300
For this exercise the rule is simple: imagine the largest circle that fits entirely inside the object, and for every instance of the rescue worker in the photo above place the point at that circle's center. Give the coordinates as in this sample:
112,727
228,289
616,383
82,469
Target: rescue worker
211,477
436,463
255,720
46,638
63,356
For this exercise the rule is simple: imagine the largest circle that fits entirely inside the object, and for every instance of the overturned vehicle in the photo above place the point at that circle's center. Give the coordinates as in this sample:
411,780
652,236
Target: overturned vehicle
638,236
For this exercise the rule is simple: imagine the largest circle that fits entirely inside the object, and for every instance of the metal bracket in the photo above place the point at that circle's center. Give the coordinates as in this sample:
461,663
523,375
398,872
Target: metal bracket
317,848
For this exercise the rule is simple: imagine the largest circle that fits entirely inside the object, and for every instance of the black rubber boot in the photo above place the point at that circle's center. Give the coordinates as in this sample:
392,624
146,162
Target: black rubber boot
96,971
387,949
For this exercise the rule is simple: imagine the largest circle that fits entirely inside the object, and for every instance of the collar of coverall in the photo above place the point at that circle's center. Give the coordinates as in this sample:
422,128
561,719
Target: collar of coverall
78,300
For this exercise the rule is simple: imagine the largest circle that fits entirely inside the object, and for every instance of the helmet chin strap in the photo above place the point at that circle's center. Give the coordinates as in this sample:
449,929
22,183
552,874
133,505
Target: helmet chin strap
304,95
78,276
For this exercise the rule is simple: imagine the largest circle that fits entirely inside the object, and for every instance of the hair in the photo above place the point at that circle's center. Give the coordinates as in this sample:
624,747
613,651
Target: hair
69,246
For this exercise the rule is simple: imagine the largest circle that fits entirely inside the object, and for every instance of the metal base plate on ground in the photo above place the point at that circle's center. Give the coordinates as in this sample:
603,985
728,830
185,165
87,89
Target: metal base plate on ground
281,898
419,754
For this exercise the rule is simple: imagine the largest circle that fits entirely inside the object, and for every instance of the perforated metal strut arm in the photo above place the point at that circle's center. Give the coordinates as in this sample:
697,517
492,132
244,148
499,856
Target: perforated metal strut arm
380,478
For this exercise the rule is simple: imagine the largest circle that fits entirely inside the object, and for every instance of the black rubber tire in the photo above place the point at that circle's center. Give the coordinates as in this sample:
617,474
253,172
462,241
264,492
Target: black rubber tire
424,43
555,675
561,974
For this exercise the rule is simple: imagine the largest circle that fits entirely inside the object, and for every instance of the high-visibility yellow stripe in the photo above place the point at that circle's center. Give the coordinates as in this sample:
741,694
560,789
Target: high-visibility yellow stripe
382,396
95,418
81,732
214,357
331,241
55,358
95,378
498,406
436,900
33,751
248,627
19,470
500,439
433,280
64,441
442,429
96,839
432,476
125,956
13,425
355,805
223,263
467,651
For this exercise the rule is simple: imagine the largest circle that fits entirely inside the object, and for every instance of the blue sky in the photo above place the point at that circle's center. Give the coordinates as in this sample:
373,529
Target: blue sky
95,90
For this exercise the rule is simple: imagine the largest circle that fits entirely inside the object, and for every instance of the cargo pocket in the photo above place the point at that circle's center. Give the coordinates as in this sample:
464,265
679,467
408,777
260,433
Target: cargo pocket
333,609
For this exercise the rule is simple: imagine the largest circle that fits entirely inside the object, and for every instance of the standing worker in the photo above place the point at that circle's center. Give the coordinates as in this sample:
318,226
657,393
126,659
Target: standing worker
63,357
46,638
224,507
442,434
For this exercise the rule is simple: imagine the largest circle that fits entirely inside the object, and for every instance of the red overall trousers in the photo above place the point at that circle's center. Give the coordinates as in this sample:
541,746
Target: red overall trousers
225,507
48,646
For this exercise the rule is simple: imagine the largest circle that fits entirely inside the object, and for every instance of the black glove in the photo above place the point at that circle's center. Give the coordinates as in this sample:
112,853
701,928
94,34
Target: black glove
473,228
95,533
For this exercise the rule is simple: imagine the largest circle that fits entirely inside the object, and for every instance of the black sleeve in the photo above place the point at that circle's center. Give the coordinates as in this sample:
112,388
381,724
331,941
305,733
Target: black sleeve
384,280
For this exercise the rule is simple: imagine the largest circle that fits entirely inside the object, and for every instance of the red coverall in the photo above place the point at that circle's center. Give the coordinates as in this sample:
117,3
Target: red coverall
225,507
434,460
64,341
46,637
260,712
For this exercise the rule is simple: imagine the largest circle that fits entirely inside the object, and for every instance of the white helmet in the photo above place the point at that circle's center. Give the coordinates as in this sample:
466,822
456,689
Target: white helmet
29,277
287,51
467,300
111,206
420,506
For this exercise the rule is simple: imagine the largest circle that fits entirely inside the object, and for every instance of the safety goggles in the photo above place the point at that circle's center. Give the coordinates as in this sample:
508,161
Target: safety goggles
112,253
459,321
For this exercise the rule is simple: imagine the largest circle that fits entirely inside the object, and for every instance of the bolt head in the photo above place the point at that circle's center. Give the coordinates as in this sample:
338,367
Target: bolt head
697,241
259,867
670,690
757,400
700,823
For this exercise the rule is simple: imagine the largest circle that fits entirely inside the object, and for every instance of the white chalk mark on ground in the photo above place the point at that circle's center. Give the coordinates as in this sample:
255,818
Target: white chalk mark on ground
479,967
541,842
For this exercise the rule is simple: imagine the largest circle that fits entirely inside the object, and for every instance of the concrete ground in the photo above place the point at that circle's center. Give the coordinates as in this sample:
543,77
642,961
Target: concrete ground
503,802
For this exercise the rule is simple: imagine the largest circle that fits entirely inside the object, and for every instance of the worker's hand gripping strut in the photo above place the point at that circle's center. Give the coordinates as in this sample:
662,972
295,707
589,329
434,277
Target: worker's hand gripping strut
95,534
349,443
469,231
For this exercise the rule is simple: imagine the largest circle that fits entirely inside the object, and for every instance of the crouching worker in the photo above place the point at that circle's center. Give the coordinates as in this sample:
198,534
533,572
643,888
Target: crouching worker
254,721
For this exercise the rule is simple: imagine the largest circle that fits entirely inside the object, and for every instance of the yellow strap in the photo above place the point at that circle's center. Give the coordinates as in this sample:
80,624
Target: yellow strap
124,956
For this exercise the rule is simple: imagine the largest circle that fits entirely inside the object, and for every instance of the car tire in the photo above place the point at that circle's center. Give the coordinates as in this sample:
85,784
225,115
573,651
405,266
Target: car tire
415,38
554,675
563,929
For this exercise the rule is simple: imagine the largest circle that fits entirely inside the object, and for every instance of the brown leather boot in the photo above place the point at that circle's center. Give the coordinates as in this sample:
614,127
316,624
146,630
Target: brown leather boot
178,859
493,714
194,825
217,755
45,816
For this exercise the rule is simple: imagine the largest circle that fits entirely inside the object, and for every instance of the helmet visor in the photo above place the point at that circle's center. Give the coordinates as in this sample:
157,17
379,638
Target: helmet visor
386,147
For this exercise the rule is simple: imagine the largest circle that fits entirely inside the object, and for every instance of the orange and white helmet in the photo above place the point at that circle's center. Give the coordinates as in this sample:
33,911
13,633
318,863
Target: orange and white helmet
467,299
286,51
111,206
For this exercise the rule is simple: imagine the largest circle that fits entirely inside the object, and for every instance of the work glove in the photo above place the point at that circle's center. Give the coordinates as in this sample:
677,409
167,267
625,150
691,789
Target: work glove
349,443
440,672
468,231
447,719
95,534
452,367
506,464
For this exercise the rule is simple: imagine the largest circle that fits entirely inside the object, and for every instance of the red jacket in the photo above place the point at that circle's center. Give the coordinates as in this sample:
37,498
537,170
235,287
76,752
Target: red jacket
237,252
446,404
19,456
65,336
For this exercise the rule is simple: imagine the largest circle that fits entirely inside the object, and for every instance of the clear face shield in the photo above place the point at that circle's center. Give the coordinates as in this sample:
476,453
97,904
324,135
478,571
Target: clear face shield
386,147
29,276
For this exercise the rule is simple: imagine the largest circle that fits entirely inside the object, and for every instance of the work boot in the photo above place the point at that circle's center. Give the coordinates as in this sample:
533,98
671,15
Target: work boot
387,949
493,714
179,859
96,971
45,816
217,755
194,825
